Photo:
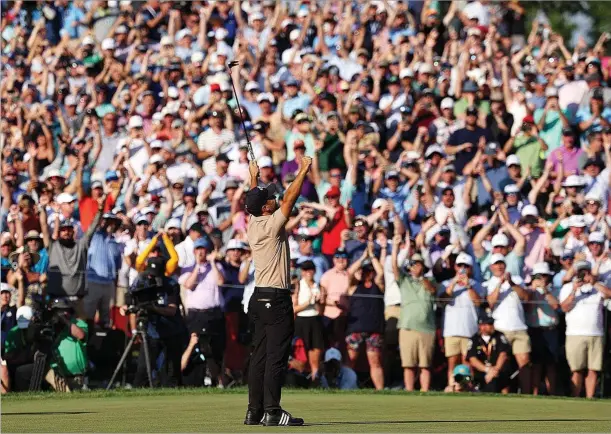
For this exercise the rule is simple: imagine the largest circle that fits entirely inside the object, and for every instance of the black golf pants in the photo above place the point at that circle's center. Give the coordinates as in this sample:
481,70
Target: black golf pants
271,311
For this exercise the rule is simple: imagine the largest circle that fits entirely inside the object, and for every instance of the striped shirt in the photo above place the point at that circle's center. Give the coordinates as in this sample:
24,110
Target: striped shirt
216,143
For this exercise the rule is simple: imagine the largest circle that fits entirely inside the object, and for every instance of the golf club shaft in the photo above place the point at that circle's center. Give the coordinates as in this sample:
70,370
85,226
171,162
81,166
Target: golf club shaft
241,113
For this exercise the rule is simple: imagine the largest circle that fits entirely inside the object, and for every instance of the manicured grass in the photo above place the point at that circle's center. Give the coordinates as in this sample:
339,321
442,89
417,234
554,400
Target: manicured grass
201,410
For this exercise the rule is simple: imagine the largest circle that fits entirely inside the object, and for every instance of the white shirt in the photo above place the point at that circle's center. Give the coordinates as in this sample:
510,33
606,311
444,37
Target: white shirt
249,289
133,246
586,317
460,315
308,294
508,312
186,254
392,295
212,142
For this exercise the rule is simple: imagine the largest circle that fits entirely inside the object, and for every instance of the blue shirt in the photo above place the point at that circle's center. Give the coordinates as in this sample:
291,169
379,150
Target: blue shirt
43,262
585,114
103,258
299,102
398,197
346,380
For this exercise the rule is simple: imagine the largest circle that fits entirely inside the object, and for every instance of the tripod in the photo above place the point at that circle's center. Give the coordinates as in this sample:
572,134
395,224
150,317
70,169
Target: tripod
141,323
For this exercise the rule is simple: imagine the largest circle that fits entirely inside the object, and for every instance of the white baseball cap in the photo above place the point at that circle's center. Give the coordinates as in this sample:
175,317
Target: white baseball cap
197,57
183,33
167,40
6,287
266,96
447,103
251,85
108,44
65,198
156,159
434,148
497,257
573,181
135,122
541,268
512,160
24,316
173,224
408,73
265,161
234,244
70,100
500,240
378,203
464,258
596,237
511,189
87,40
530,210
577,221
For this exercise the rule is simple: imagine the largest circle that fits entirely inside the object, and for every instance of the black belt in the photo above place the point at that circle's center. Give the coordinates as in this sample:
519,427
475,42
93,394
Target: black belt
212,309
269,290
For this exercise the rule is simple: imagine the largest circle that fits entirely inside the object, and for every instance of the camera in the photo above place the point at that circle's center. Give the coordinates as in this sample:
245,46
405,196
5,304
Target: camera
581,275
151,288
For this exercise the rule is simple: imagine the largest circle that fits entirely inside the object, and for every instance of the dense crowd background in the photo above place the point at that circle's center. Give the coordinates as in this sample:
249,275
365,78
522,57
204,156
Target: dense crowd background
460,184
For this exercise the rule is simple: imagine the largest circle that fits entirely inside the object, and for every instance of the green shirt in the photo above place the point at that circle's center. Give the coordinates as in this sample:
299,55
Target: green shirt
552,128
331,155
71,353
416,306
462,104
15,340
528,150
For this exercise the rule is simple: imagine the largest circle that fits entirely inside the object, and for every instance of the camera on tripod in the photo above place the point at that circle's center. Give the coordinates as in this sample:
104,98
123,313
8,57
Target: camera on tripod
150,288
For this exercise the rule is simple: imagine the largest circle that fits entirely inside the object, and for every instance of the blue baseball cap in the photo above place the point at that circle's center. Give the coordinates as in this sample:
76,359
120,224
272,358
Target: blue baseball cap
190,191
462,370
202,243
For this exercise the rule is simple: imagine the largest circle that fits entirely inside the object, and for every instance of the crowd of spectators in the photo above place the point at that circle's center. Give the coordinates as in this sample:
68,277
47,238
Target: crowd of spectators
460,177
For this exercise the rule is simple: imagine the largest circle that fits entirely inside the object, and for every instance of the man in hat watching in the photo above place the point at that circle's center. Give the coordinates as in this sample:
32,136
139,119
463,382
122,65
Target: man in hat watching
68,257
582,300
488,354
103,264
416,333
270,307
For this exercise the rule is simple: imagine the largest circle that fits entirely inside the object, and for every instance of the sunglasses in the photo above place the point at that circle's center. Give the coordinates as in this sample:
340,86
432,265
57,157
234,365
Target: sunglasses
463,266
335,175
591,202
359,224
539,276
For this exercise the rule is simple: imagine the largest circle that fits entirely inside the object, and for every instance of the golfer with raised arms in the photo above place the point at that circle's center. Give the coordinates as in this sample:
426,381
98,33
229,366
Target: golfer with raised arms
270,307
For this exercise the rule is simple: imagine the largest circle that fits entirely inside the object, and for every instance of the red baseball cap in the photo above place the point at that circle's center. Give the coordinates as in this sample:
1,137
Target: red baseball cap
529,119
215,87
333,192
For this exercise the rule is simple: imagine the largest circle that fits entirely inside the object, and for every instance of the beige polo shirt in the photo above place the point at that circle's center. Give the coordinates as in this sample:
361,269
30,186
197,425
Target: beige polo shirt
270,250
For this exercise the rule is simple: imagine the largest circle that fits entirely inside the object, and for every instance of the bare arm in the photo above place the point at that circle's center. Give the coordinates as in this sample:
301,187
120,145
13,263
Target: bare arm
293,191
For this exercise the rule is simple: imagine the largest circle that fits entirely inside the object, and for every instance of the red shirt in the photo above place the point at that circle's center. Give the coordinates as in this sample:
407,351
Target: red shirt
88,208
331,237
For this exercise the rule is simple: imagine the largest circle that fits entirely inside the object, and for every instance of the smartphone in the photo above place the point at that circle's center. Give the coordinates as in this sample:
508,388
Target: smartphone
481,220
352,235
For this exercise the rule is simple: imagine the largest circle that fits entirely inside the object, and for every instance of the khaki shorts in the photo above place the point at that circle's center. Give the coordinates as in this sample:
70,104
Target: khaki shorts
120,297
584,352
519,341
392,312
416,348
455,345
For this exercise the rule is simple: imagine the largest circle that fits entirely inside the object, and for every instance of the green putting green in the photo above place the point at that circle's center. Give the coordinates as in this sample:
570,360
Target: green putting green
201,410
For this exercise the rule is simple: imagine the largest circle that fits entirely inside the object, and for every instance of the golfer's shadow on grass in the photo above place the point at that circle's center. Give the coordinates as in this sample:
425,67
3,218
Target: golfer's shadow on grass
447,421
46,413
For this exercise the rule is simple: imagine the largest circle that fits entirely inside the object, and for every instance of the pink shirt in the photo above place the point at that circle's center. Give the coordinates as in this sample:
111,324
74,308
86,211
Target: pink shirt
535,248
336,284
570,160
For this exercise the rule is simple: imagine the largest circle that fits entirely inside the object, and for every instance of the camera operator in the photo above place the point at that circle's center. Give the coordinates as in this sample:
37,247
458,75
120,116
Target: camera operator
204,303
69,349
17,358
165,327
582,301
